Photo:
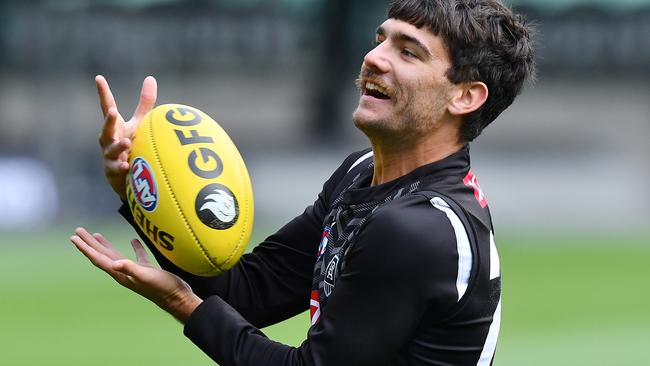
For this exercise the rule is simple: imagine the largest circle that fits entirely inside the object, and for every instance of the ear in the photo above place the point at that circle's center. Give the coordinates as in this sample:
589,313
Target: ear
469,97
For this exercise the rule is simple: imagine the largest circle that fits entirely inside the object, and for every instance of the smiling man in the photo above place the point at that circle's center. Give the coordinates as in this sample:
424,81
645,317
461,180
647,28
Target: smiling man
396,258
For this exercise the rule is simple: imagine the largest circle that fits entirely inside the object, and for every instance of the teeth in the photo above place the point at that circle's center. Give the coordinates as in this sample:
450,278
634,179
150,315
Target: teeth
375,87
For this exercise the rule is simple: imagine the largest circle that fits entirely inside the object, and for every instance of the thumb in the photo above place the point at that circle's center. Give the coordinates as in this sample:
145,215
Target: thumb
140,253
148,96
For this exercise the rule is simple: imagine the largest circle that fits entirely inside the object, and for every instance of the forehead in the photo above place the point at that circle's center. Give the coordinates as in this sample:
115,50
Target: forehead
395,28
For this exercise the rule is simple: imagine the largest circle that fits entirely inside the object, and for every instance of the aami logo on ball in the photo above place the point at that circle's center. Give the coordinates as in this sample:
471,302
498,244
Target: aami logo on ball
217,206
144,184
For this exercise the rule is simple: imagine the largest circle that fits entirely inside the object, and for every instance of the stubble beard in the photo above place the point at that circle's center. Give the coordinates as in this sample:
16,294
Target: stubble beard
412,119
414,115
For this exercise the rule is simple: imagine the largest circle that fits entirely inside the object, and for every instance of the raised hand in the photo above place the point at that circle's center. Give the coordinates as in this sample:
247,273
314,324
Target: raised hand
165,289
117,134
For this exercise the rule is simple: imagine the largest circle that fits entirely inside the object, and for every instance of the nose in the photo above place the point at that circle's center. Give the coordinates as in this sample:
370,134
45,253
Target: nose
376,59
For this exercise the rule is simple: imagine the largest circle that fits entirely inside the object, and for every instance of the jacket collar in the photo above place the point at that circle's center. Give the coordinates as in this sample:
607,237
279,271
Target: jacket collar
456,164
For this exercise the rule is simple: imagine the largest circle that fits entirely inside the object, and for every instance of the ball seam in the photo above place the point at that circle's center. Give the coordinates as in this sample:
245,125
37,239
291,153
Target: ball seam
187,225
244,226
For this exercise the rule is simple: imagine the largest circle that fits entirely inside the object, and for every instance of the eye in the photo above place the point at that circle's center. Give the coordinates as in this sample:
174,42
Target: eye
408,53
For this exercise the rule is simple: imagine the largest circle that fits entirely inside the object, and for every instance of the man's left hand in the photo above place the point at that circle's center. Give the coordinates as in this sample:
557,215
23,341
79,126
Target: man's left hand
165,289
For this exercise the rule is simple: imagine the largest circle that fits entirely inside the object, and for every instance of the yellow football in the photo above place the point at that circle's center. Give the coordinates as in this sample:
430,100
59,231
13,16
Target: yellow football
189,190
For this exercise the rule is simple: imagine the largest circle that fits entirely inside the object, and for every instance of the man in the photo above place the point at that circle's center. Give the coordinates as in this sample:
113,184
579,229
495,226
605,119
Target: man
396,258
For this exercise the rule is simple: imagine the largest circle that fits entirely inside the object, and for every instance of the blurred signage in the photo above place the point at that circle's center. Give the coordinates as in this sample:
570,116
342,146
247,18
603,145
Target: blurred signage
585,36
28,193
171,36
586,40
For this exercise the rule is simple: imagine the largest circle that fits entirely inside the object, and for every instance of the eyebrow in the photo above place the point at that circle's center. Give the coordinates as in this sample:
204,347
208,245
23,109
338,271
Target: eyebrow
403,37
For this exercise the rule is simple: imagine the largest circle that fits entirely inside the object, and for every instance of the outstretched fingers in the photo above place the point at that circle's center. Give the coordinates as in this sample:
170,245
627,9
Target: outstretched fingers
99,244
96,257
163,288
109,134
106,99
106,247
148,95
101,253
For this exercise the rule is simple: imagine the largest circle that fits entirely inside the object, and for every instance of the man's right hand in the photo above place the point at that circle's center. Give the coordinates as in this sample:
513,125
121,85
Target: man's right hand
117,134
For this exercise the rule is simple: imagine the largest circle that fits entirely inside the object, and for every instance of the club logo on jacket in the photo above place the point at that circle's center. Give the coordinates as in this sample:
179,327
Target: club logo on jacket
471,181
330,275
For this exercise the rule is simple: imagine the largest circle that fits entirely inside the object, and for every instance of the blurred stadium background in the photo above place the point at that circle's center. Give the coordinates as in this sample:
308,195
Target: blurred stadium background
566,168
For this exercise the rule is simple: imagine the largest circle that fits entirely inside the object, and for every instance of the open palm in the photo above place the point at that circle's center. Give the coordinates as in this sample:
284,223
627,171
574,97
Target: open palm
163,288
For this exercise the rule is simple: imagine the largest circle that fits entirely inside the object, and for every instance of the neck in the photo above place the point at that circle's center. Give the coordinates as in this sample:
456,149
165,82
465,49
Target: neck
394,161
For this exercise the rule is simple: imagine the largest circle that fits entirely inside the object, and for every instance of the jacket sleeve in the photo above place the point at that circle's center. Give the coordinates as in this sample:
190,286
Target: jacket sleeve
273,282
403,262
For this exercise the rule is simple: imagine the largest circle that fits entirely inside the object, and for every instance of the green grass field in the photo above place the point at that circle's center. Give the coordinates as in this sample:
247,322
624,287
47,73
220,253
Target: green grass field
567,300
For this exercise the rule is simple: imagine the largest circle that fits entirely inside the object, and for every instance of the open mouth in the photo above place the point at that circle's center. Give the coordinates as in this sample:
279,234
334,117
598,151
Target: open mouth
376,91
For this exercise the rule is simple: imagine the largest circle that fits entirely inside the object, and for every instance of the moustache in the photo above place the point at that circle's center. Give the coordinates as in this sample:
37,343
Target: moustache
364,76
367,75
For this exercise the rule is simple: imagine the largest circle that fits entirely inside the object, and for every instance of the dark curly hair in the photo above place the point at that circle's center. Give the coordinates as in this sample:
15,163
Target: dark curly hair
486,41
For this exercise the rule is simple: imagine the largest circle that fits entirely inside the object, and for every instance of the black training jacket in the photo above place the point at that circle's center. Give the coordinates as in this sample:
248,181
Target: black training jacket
402,273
